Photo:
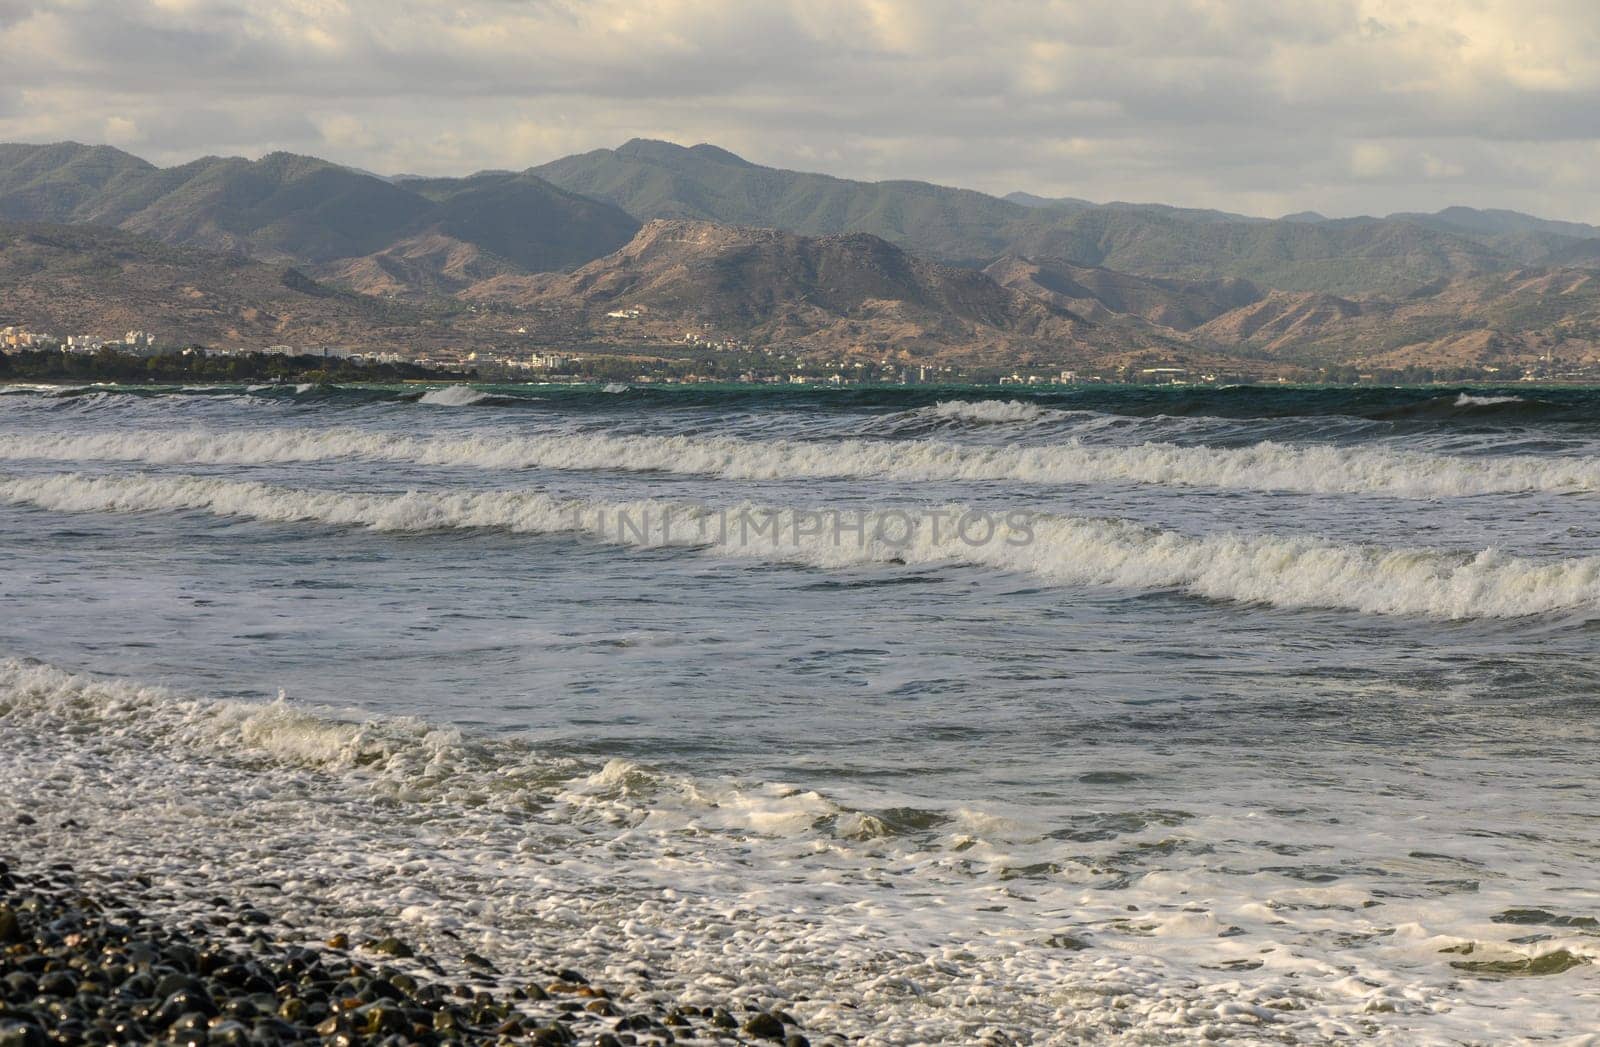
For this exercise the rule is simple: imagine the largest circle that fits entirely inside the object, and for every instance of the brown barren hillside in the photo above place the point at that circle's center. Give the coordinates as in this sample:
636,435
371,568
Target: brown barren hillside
427,264
1281,319
853,292
87,280
1516,317
1104,295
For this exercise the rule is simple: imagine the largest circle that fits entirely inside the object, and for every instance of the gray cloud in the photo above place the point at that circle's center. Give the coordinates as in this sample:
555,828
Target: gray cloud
1339,105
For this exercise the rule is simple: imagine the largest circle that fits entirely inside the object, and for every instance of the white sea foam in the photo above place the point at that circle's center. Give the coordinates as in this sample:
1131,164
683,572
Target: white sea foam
454,396
1468,400
721,889
1316,468
1288,572
990,412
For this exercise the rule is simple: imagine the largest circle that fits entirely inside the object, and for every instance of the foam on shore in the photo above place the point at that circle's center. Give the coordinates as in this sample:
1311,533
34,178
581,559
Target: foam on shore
966,926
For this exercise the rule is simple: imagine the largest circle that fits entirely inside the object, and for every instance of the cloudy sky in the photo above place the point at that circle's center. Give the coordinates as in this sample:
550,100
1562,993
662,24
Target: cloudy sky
1263,106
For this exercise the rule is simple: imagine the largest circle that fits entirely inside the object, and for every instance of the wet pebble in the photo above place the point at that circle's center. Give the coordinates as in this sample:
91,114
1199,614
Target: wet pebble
90,966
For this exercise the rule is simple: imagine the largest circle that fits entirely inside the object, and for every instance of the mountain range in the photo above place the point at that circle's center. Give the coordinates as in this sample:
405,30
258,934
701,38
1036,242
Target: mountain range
697,239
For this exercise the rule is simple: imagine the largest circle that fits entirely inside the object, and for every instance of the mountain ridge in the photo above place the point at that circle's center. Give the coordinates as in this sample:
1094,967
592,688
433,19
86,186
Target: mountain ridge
304,210
653,179
920,268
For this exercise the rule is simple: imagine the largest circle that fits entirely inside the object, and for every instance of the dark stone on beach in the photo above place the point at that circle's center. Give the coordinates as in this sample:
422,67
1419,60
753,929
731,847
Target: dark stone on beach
58,983
392,946
90,968
377,1018
21,1034
794,1039
187,1021
183,1002
26,819
764,1025
553,1035
20,985
175,982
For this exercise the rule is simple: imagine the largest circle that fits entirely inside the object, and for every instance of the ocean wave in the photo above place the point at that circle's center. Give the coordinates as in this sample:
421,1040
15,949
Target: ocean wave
407,758
1311,469
455,396
989,412
717,889
1468,400
1278,571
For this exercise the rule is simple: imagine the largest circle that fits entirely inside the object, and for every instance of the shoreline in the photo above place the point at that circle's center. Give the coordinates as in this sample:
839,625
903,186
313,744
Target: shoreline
103,962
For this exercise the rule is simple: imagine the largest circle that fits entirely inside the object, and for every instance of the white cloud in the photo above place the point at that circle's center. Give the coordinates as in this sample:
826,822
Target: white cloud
1338,105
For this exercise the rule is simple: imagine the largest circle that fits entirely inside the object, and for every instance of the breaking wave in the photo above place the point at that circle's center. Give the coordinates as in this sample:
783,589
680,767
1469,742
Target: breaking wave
455,396
984,411
1286,572
715,888
1468,400
1312,469
399,757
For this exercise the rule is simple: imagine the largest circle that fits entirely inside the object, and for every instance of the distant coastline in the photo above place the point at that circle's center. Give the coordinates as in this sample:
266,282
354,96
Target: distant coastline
193,366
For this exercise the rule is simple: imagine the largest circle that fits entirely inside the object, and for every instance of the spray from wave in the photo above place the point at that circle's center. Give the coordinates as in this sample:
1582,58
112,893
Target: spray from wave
1468,400
985,412
1287,572
401,757
1312,469
455,396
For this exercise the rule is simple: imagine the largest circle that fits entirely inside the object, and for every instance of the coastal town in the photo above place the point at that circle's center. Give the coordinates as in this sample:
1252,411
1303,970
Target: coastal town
702,358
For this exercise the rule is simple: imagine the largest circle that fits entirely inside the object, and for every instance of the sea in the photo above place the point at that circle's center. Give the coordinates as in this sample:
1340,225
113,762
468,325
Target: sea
935,714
